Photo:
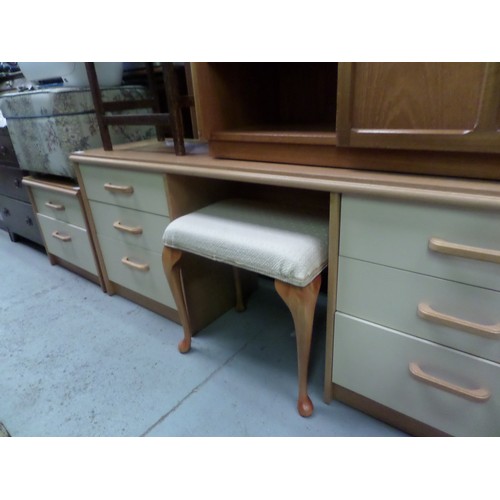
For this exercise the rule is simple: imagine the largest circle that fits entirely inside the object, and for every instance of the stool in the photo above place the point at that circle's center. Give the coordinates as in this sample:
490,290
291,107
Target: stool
289,245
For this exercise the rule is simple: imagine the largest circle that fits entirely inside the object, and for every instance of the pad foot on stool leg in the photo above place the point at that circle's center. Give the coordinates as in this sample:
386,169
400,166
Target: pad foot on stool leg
305,406
302,303
171,265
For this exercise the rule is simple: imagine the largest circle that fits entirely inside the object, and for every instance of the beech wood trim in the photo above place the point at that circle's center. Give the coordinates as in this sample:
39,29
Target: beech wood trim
477,395
127,229
143,301
56,187
152,156
426,312
465,251
62,237
135,265
94,241
57,261
54,206
114,188
384,413
333,262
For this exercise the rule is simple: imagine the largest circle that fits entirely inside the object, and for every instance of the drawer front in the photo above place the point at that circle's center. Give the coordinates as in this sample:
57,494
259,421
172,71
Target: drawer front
143,274
60,206
7,153
129,226
392,297
137,190
18,217
68,242
397,234
375,362
11,183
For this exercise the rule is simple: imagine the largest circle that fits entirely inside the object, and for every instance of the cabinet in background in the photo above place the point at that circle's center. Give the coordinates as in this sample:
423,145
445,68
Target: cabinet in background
16,213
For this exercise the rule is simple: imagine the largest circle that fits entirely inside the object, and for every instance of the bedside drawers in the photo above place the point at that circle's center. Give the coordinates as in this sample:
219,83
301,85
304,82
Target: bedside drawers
130,213
68,242
404,294
63,225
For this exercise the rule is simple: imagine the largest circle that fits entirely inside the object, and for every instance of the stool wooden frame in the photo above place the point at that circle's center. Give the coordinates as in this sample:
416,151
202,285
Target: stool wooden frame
301,301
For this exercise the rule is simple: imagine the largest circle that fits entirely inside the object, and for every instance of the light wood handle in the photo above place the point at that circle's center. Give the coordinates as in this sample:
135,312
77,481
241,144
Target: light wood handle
62,237
477,253
477,395
127,229
54,206
425,311
114,188
135,265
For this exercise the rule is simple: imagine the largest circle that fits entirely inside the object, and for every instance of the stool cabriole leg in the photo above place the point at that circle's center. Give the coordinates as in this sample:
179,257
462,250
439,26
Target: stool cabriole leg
302,303
171,265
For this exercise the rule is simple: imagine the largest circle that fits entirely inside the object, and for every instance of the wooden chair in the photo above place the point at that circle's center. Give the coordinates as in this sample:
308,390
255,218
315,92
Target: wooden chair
285,244
164,122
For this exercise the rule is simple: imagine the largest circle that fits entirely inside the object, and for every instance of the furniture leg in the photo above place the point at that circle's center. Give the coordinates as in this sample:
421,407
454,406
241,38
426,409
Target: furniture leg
240,303
302,303
171,265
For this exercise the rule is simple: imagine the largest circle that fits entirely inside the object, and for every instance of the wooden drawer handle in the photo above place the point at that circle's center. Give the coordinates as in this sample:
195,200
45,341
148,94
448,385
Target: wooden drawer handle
477,395
135,265
54,206
114,188
425,311
477,253
63,237
127,229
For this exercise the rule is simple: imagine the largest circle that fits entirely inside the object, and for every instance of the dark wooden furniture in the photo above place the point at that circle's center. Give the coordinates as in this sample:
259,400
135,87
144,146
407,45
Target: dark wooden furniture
166,123
16,213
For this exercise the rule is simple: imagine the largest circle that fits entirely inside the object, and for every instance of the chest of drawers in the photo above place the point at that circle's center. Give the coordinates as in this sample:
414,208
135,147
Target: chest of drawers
62,221
129,213
16,213
417,322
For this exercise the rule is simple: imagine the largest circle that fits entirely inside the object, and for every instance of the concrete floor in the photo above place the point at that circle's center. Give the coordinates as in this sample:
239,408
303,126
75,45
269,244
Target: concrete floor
77,362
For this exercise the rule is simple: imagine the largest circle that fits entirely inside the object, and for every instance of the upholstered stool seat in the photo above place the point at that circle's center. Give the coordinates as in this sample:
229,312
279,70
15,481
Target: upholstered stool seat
289,245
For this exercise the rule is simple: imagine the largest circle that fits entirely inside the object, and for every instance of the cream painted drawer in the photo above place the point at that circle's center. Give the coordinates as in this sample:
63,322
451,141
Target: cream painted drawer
391,297
136,190
375,362
397,234
129,226
142,271
68,242
60,206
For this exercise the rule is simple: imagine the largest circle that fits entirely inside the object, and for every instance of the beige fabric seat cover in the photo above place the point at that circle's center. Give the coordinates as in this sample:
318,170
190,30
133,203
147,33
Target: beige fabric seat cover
290,245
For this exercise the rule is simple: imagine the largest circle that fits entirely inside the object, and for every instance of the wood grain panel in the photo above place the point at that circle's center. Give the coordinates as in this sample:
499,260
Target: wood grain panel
423,96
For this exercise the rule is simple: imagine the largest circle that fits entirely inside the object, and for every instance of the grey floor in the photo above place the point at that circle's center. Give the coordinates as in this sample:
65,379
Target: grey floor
77,362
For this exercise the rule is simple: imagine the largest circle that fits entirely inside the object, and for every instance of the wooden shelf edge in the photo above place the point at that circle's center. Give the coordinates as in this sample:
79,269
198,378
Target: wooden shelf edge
276,136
